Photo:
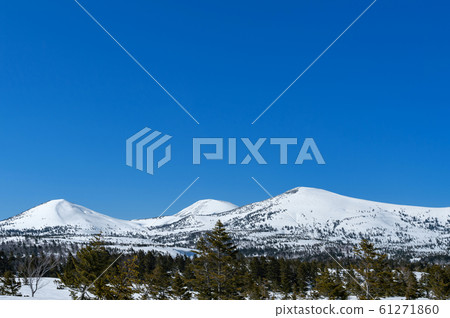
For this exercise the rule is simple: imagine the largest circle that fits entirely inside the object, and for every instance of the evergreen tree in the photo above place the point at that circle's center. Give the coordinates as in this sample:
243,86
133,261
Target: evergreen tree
157,284
180,262
67,276
306,277
189,276
412,286
352,284
218,272
256,279
258,290
257,268
437,281
5,263
373,269
9,285
274,273
179,289
87,279
287,277
330,285
399,283
123,280
146,262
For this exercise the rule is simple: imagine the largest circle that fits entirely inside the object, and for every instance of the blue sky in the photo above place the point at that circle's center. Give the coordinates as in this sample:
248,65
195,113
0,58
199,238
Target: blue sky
376,103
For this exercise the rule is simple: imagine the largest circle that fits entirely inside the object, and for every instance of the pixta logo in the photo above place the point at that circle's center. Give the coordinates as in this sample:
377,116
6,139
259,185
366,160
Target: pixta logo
146,140
141,147
306,151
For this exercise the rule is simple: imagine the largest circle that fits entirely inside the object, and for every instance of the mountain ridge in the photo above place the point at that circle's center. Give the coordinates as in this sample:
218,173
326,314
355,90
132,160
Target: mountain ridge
297,219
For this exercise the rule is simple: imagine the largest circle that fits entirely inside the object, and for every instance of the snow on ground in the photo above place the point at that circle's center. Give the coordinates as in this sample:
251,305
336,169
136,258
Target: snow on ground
48,291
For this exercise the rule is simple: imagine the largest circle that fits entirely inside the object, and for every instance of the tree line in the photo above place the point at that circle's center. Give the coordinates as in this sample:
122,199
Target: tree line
217,270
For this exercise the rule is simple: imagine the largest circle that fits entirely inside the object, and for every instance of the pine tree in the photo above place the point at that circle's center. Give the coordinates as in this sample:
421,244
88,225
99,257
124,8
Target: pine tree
147,263
437,281
330,285
5,263
67,277
189,276
9,285
399,283
123,280
258,290
157,284
217,270
352,284
306,277
179,289
373,269
84,277
256,279
412,286
257,268
274,272
287,278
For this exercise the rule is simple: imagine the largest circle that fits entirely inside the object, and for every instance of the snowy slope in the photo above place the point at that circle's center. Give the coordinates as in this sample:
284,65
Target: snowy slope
319,208
199,208
68,218
305,216
48,291
291,221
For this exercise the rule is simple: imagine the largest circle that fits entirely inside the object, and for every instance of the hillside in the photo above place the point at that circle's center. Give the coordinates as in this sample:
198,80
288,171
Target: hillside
297,220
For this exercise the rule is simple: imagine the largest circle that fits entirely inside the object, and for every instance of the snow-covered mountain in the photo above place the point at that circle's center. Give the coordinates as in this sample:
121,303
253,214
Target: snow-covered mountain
67,218
199,208
303,218
297,220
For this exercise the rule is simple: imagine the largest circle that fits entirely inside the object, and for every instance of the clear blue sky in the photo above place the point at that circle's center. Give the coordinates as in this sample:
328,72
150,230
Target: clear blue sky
377,103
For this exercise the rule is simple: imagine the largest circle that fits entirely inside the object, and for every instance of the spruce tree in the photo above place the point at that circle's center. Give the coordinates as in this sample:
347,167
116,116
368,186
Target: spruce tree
122,280
67,277
179,289
274,272
257,290
373,269
306,277
287,278
5,262
218,272
147,263
399,283
330,285
256,279
157,284
437,280
9,285
87,280
257,268
412,286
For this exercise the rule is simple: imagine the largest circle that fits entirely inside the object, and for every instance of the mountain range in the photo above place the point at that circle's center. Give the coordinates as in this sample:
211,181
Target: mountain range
297,221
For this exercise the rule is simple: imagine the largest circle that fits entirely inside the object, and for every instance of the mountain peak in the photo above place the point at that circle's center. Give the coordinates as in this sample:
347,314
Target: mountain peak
308,190
61,213
207,207
295,219
57,201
